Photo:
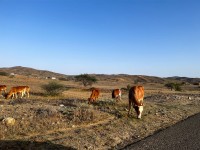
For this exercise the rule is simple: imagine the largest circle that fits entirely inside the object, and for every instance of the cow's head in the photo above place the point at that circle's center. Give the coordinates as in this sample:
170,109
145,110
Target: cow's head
6,95
139,110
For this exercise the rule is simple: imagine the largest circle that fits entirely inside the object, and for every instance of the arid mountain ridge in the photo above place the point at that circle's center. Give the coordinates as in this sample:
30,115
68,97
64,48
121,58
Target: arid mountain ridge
26,71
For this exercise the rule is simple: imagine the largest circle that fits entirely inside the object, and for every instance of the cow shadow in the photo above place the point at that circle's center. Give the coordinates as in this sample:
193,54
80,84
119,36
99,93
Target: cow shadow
31,145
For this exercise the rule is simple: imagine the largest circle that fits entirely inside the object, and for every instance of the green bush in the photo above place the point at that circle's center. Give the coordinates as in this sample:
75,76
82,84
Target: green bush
4,74
53,89
174,86
128,87
177,87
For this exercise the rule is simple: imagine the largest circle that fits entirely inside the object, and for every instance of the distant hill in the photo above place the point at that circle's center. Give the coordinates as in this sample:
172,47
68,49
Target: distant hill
185,79
131,78
31,72
102,77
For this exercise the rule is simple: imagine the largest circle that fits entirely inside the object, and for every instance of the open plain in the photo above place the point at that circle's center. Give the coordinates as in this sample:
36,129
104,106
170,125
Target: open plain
69,122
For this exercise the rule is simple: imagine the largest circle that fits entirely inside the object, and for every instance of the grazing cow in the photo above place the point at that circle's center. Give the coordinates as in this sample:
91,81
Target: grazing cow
136,96
116,94
94,95
14,91
3,88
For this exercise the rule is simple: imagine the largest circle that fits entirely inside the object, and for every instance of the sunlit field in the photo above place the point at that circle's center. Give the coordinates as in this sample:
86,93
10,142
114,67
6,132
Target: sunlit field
68,121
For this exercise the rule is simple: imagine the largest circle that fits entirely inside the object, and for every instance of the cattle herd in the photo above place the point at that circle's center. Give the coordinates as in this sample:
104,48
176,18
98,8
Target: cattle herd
136,96
15,91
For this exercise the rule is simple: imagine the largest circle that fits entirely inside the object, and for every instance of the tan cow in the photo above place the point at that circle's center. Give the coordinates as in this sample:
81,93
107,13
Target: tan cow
94,95
116,94
136,96
14,91
3,88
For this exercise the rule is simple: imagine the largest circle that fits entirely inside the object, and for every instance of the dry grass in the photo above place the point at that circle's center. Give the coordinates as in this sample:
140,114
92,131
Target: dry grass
67,121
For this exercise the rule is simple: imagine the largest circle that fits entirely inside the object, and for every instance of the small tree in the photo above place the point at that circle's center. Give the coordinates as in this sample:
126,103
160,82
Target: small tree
170,86
53,88
85,79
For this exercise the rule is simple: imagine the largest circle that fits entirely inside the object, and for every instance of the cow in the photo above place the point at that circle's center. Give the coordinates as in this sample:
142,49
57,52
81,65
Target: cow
14,91
136,96
94,95
116,94
3,88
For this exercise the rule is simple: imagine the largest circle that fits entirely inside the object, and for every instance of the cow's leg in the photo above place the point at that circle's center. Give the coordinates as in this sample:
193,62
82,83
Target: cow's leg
89,100
129,107
22,94
136,109
140,111
14,95
120,95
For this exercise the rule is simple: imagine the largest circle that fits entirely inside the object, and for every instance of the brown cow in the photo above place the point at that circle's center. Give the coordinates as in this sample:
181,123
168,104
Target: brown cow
116,94
3,88
14,91
94,95
136,96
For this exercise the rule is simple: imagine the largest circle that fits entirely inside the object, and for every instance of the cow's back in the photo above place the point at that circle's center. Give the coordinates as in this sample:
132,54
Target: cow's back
136,94
95,93
116,93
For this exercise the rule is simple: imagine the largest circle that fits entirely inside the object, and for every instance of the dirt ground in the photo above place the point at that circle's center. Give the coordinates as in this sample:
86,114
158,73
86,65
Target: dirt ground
69,122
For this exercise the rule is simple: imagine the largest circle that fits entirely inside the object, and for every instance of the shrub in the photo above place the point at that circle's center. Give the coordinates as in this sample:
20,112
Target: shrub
63,79
53,88
196,83
85,79
4,74
46,112
174,86
128,87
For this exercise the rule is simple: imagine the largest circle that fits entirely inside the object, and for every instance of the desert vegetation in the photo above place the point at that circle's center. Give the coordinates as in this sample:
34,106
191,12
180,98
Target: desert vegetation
53,88
57,114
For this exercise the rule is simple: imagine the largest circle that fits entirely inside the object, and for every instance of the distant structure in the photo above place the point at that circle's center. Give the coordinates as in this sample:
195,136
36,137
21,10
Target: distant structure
12,74
53,78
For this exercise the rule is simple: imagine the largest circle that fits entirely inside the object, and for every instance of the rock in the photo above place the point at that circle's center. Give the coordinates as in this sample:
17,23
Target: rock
61,105
9,121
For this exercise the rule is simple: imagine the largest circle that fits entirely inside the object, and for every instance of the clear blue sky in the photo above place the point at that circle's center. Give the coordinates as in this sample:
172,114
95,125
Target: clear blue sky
140,37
